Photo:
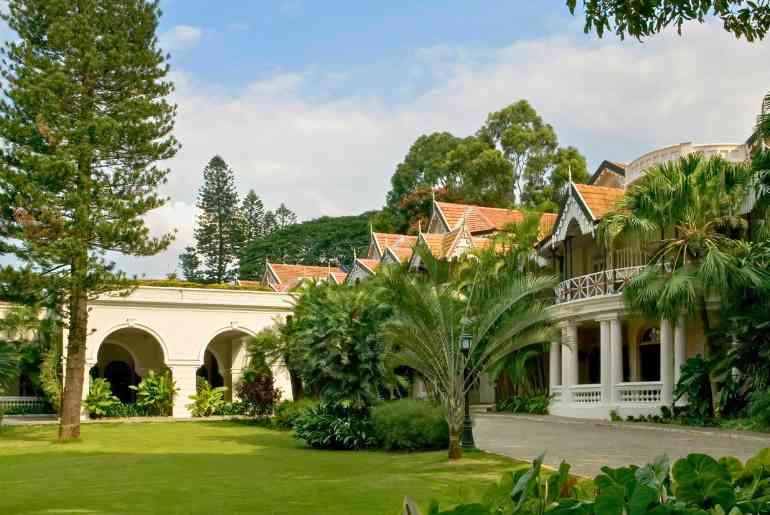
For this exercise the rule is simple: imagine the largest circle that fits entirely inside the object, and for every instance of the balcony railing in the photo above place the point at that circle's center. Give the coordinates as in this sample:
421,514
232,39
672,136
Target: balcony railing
628,394
605,282
586,394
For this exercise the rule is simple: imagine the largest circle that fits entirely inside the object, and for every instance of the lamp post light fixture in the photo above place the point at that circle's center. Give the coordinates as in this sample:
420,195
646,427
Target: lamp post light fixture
467,438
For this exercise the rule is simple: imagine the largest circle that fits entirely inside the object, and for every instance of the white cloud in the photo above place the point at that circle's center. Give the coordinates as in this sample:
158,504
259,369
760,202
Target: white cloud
335,156
180,37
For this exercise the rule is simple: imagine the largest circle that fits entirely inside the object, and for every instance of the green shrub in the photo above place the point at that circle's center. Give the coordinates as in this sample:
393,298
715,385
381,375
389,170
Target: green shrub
100,398
532,403
121,410
258,393
695,485
329,426
228,409
207,400
759,408
410,425
156,393
287,412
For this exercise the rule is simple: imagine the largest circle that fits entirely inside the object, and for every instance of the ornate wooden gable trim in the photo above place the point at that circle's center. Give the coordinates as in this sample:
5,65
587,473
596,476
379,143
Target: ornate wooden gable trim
358,272
438,222
575,208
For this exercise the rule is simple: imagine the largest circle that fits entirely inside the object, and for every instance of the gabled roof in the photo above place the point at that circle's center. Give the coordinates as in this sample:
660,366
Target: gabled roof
288,276
599,199
608,166
478,219
384,240
400,254
370,264
585,205
362,268
483,220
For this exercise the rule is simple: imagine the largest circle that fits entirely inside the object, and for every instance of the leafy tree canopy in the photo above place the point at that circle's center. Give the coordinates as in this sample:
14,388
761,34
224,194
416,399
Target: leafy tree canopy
642,19
314,242
513,158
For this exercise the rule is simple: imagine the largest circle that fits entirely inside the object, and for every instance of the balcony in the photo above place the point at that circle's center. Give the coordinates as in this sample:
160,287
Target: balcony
605,282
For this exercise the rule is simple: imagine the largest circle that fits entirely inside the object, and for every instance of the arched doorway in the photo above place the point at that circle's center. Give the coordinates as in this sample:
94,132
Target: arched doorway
211,370
224,358
124,357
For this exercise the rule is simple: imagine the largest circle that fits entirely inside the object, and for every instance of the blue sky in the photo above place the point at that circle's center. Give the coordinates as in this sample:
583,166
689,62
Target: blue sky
315,103
365,41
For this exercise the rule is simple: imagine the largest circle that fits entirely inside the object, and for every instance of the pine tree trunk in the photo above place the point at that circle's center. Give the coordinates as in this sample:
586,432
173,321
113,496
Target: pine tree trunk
69,425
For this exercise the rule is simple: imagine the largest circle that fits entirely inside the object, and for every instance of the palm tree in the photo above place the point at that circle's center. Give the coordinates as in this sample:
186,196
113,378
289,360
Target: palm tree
434,308
8,362
686,216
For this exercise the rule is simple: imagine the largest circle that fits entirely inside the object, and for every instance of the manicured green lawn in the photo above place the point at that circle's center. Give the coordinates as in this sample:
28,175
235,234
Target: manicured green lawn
221,467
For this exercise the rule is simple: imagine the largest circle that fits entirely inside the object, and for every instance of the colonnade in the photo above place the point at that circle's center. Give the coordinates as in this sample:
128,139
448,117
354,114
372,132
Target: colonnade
613,391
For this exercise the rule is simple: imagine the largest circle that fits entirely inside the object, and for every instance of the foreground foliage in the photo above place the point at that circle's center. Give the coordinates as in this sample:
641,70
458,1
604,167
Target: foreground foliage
695,485
642,19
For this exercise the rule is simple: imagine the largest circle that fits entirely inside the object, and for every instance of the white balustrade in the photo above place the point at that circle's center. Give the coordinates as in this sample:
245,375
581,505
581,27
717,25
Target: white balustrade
605,282
648,392
584,394
30,404
556,392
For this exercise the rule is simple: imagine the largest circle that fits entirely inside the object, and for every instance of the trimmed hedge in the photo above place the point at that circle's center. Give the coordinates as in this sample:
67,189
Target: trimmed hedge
410,425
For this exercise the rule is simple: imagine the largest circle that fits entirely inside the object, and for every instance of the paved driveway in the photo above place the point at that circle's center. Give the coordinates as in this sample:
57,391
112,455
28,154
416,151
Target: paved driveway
589,444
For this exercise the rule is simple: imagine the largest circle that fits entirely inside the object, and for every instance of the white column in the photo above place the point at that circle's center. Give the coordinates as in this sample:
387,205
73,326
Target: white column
233,378
282,381
633,360
605,360
554,364
569,359
86,388
667,362
680,352
616,342
184,376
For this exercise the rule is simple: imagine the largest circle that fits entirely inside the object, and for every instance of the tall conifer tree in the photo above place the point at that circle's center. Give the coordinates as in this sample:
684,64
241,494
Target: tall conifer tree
215,233
83,125
251,221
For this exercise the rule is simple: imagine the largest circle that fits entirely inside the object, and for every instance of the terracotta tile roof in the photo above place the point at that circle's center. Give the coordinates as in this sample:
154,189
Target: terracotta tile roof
371,264
385,240
249,283
291,275
480,219
547,221
449,240
600,199
401,253
338,277
435,243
